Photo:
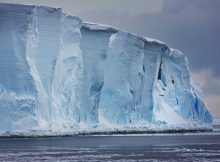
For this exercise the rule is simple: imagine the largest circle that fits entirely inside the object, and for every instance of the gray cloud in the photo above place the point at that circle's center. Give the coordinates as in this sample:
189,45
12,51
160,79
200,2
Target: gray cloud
175,6
75,6
194,29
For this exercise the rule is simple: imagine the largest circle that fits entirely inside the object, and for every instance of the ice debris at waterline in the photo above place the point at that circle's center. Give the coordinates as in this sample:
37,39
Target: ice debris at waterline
60,75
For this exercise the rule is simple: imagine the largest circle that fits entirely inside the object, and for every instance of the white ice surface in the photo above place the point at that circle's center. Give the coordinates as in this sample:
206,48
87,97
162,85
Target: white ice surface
60,76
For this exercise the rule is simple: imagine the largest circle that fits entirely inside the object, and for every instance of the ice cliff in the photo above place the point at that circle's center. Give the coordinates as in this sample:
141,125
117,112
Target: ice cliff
59,75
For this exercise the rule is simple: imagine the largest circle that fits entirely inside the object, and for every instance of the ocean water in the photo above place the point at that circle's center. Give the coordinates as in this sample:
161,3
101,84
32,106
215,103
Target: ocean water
154,147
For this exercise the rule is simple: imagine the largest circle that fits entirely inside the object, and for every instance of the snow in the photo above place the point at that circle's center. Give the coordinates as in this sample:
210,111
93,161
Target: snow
155,41
60,75
98,27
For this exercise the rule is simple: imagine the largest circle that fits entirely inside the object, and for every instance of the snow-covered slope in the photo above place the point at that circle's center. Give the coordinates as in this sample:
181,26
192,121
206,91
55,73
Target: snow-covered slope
59,75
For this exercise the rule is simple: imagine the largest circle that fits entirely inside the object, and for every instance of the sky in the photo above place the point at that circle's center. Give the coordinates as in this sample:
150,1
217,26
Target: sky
192,26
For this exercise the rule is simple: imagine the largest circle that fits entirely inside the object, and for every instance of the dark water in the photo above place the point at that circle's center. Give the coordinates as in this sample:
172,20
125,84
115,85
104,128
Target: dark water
176,147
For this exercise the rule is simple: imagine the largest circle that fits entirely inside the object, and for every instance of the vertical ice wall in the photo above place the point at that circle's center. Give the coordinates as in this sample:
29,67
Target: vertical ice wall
14,68
29,46
94,45
175,91
49,28
43,45
122,79
153,52
67,77
17,88
59,74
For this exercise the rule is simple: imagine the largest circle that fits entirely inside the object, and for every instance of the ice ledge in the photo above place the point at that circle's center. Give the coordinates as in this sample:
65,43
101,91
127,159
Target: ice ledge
107,28
99,27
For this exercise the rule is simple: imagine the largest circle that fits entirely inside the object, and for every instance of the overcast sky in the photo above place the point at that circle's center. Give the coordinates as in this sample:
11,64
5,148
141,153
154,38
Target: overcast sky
192,26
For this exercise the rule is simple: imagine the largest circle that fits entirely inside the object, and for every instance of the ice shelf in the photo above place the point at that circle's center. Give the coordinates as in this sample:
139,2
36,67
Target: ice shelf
60,75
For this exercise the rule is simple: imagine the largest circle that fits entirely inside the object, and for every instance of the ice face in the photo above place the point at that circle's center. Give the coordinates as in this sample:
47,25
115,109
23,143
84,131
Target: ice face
17,89
60,75
67,75
14,65
94,45
122,79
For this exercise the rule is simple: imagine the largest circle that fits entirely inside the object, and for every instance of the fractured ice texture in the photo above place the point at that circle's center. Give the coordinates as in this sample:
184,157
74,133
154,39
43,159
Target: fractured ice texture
59,74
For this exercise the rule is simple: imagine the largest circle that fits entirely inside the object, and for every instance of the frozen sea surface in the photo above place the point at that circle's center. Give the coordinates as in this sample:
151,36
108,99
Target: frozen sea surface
160,147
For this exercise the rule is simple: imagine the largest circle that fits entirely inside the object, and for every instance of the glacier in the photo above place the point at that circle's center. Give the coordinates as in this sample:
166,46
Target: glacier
60,75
